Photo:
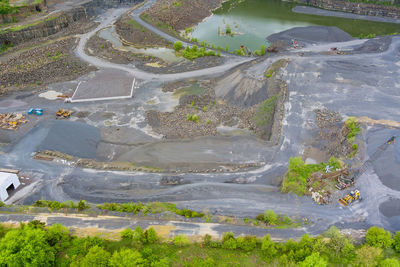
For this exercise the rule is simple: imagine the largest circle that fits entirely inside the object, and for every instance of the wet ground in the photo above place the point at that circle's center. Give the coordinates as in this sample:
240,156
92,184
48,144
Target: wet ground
360,84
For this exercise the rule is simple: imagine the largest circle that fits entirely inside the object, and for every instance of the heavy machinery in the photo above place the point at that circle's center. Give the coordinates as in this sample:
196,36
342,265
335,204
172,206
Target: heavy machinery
37,111
63,113
350,198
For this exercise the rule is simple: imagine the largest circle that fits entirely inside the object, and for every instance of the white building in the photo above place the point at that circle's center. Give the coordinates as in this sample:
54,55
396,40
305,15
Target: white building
7,181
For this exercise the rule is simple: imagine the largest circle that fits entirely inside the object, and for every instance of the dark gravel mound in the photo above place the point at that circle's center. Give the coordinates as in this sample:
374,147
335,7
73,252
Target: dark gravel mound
311,35
72,138
391,210
375,45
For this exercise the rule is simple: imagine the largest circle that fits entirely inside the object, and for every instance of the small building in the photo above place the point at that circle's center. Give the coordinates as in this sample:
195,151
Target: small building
8,181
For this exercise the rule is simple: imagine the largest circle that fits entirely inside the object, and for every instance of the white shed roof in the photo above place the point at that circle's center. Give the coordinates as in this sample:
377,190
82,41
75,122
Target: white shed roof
7,179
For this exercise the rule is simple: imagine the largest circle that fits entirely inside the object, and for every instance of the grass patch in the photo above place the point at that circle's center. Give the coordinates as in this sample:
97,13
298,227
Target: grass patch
354,127
4,47
265,111
193,52
295,180
164,26
24,26
275,67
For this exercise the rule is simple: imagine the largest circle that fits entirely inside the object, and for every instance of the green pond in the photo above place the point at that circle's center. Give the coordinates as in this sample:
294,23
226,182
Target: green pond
251,21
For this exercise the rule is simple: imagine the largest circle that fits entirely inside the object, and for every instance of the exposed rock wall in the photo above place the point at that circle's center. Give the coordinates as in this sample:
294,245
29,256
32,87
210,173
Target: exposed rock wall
55,24
355,7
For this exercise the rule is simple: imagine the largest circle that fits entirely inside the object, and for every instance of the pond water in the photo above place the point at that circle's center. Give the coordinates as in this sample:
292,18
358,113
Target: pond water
251,21
168,55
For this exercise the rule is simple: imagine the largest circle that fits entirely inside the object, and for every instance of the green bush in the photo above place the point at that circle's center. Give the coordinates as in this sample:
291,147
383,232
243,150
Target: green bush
353,127
378,237
389,263
178,46
265,111
127,234
314,260
270,217
228,29
247,243
151,236
181,241
138,235
192,117
127,257
396,241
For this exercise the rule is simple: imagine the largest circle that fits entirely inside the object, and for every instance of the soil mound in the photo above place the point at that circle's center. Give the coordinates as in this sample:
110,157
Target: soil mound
311,35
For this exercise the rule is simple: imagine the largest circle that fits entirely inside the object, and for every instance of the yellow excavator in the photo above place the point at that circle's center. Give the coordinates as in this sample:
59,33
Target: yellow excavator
349,198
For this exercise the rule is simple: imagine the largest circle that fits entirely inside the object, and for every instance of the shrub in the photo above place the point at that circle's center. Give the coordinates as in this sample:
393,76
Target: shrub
228,29
265,111
396,241
354,128
150,235
207,240
138,235
178,46
270,217
368,256
82,205
247,243
268,248
378,237
263,49
127,234
181,241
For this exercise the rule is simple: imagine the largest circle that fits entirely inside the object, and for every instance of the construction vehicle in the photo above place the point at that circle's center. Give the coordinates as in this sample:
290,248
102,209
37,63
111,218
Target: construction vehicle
37,111
63,113
350,198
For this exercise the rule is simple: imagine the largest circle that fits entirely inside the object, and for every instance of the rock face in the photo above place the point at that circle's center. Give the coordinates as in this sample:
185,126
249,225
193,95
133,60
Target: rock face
355,7
53,25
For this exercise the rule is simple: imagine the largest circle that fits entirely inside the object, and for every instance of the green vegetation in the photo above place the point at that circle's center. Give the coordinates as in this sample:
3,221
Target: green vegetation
34,244
178,46
261,52
192,117
295,180
24,26
177,3
270,218
265,111
4,48
5,7
154,207
354,128
159,24
367,36
228,29
193,52
55,205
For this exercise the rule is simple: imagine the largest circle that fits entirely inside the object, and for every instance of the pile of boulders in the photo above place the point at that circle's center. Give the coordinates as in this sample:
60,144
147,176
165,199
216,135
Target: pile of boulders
333,132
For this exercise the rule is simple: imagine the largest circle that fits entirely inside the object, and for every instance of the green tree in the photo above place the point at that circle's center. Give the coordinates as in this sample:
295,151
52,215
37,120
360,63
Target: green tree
378,237
314,260
127,257
339,247
96,257
396,241
367,256
247,243
389,263
5,7
26,247
58,236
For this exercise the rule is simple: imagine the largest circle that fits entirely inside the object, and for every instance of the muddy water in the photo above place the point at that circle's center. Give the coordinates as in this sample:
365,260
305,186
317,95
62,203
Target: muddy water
251,21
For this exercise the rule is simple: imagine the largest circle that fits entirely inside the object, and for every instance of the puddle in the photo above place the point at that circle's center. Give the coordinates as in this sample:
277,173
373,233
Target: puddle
232,130
166,54
194,89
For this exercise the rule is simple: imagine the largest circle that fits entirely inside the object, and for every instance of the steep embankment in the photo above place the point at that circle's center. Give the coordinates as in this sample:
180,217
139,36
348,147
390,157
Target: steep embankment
56,23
